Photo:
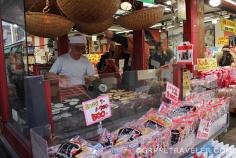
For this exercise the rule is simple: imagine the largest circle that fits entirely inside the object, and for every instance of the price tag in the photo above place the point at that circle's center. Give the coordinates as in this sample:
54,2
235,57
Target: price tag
204,129
97,110
172,92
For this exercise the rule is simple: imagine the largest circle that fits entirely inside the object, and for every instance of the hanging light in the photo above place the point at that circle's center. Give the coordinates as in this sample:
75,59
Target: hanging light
215,3
126,6
169,2
214,21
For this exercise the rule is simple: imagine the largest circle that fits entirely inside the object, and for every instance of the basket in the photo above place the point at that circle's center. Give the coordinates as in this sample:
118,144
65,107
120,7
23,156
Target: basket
141,19
94,28
47,25
40,4
89,11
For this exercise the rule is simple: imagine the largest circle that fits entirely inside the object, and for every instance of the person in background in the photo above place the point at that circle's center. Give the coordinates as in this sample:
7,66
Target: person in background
158,58
107,55
170,56
227,58
125,45
73,67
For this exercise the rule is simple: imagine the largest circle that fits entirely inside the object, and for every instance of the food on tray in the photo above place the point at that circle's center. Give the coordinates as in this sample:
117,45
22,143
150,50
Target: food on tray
73,103
59,105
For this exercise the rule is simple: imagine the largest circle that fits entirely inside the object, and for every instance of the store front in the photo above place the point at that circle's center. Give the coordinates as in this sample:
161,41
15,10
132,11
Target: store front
146,86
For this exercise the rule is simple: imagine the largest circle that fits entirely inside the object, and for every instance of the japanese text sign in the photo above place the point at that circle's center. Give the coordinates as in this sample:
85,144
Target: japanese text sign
185,53
205,64
172,92
97,110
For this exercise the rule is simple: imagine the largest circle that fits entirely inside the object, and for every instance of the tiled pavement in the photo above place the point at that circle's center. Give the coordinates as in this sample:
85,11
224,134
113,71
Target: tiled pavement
230,136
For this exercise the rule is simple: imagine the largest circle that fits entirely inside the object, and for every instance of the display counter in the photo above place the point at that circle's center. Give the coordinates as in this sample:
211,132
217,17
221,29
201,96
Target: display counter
131,95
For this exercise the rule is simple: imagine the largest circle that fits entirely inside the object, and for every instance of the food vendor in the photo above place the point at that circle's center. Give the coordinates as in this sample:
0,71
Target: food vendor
73,68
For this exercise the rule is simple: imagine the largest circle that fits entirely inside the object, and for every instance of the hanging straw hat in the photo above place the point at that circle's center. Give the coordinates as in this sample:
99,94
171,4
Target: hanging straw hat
89,11
141,19
39,5
94,28
47,25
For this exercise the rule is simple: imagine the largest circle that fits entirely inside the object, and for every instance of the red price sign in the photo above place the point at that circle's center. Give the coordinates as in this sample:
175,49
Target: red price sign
97,110
172,92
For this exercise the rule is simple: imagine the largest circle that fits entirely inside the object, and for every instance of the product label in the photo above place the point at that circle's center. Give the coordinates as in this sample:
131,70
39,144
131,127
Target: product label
97,110
204,129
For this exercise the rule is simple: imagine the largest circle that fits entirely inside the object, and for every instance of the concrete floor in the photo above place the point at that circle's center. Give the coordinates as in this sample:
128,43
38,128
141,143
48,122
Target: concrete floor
230,136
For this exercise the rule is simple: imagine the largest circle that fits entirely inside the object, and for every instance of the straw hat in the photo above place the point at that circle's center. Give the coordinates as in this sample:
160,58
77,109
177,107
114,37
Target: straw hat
94,28
89,11
141,19
47,25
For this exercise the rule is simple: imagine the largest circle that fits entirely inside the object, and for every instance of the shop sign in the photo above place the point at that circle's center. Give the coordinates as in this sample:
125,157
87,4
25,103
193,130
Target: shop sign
172,92
185,53
206,64
147,1
97,110
228,25
204,129
223,41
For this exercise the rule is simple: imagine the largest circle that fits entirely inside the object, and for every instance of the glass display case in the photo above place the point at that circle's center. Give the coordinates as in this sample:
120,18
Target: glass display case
131,95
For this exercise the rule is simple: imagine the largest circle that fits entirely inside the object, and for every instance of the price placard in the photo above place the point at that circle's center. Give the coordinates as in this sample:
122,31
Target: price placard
172,92
97,110
204,129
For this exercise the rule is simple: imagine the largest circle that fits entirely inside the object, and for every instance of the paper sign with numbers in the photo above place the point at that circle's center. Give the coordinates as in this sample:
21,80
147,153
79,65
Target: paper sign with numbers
97,110
172,92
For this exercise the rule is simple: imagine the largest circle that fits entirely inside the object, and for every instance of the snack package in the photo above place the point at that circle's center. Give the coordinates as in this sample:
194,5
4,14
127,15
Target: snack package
76,147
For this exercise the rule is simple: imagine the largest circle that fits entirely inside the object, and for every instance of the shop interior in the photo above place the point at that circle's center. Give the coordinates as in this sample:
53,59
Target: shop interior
162,83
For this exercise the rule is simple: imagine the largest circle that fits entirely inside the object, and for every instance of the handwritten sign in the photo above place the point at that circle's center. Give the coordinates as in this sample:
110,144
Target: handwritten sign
206,64
185,53
223,41
97,110
186,83
172,92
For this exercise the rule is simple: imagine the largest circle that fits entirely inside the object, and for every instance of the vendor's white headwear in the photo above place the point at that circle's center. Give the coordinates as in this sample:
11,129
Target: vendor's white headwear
78,39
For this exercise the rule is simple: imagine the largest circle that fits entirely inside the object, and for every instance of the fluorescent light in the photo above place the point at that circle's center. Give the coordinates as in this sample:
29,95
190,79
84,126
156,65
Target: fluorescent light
157,25
169,2
170,27
230,1
126,6
126,31
111,29
167,9
215,3
214,21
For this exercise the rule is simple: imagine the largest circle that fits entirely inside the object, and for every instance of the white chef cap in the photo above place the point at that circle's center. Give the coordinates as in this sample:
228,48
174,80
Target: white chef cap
78,39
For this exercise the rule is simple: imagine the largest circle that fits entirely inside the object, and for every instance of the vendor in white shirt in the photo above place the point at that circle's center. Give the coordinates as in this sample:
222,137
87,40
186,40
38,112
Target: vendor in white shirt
72,68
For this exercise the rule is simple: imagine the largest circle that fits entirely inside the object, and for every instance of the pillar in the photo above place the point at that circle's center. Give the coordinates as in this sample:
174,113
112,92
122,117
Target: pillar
63,45
138,62
194,27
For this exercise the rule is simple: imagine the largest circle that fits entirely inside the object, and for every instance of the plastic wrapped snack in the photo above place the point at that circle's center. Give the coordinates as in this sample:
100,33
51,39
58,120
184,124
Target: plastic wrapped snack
76,147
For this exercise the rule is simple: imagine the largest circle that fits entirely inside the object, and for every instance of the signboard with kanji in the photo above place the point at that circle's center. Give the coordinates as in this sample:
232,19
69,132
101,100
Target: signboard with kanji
185,53
97,110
